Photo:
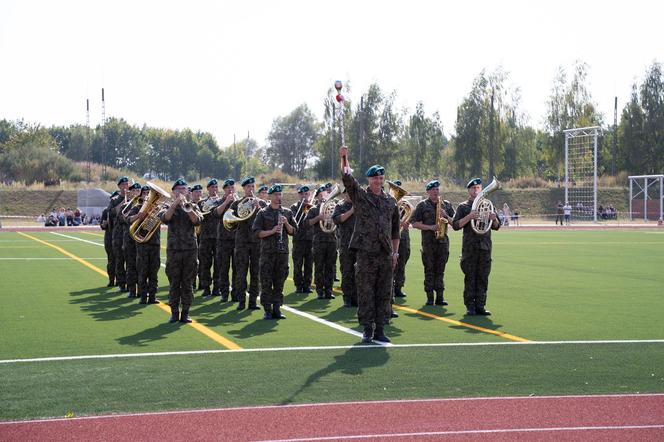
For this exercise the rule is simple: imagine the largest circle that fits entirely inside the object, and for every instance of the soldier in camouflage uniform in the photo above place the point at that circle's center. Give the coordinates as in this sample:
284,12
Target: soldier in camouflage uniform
106,226
148,257
303,255
128,243
262,193
247,251
207,247
272,225
435,252
181,252
114,209
324,249
225,242
404,256
344,218
475,252
376,239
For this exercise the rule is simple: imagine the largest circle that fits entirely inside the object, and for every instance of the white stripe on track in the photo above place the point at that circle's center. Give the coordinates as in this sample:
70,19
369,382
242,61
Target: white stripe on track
461,432
325,347
336,404
42,259
78,239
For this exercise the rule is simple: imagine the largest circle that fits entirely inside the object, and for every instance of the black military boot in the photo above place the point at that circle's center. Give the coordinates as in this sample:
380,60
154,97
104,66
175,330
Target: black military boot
253,305
398,293
111,283
122,288
393,314
379,335
347,301
152,298
184,317
440,299
216,292
175,315
224,297
321,294
481,311
132,292
268,311
276,312
307,289
206,292
144,298
429,299
367,334
241,305
329,295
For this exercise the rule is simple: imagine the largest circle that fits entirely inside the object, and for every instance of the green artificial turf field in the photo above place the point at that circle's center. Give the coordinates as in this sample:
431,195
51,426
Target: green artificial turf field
557,285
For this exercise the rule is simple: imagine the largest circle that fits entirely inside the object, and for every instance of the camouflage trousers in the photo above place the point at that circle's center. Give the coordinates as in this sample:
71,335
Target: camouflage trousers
303,261
400,269
129,247
147,264
347,260
110,258
246,257
434,258
207,251
224,261
373,276
274,271
118,254
180,265
476,268
325,264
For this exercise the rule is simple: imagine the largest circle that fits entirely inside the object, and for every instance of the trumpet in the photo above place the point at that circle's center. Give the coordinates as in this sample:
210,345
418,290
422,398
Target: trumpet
303,209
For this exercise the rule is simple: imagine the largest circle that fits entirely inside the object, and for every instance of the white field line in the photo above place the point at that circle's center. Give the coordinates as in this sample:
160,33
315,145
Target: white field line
286,308
336,404
325,347
460,432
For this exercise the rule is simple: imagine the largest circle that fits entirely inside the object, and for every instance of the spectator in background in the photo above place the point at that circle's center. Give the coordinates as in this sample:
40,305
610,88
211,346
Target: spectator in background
52,220
507,214
69,216
61,216
515,217
559,213
77,217
41,218
567,211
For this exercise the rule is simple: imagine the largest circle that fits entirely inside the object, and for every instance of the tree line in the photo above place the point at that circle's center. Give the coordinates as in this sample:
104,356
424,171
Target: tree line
491,135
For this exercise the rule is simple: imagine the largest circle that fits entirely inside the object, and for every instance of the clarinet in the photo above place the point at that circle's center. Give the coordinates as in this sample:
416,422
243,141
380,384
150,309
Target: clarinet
281,246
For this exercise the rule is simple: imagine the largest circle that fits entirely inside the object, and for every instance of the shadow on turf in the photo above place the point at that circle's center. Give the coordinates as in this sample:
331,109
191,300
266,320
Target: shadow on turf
105,304
352,362
145,337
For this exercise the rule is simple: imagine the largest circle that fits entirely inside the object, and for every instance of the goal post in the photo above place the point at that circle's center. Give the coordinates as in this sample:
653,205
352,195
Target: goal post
581,171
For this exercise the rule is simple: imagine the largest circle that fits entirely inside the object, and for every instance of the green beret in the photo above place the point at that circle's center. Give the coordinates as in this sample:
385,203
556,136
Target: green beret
327,186
135,186
178,182
432,184
228,182
212,182
123,179
473,182
319,190
375,170
262,188
145,188
274,188
303,189
196,187
248,180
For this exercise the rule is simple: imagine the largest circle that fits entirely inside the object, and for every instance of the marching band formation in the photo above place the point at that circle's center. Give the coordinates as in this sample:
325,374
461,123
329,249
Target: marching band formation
224,238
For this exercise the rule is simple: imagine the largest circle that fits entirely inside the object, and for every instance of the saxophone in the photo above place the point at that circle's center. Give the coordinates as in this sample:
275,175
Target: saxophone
441,221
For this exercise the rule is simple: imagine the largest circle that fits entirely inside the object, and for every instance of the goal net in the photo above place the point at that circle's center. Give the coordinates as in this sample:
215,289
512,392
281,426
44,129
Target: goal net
581,172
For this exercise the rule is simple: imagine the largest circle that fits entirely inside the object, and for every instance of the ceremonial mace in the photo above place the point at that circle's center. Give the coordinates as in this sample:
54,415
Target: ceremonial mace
340,116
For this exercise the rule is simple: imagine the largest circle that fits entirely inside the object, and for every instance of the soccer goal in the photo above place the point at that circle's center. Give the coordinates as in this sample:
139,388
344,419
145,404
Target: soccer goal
581,171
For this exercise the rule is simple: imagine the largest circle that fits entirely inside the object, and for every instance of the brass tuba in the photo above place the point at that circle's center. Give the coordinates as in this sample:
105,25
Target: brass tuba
406,208
485,207
327,209
142,230
245,209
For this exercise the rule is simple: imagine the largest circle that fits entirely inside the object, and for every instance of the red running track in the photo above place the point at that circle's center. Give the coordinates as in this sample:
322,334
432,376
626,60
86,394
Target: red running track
577,418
